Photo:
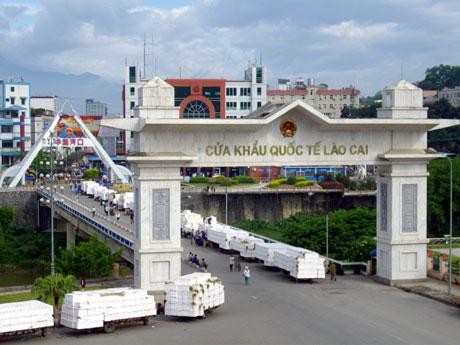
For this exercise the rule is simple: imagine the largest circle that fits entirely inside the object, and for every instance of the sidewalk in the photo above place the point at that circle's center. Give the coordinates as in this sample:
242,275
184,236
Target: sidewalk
434,289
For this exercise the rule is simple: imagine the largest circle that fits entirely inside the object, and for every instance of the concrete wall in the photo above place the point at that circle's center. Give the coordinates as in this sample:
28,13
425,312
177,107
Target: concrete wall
24,202
270,207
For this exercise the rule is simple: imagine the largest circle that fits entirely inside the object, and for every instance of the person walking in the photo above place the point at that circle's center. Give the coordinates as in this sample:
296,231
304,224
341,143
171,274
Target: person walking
231,261
106,209
118,216
131,216
333,271
246,275
94,211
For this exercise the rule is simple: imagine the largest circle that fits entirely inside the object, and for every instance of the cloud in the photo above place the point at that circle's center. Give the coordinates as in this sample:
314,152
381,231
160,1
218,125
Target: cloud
364,41
350,29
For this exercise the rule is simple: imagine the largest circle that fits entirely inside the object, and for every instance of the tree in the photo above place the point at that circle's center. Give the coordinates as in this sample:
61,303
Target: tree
90,259
439,77
54,287
38,168
351,232
91,174
443,109
438,192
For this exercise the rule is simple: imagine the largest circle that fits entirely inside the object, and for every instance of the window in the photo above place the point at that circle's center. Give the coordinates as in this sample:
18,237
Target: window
12,88
259,91
5,160
230,106
245,105
245,91
12,100
132,91
196,109
132,105
23,100
331,106
132,74
7,129
259,104
231,91
7,143
259,75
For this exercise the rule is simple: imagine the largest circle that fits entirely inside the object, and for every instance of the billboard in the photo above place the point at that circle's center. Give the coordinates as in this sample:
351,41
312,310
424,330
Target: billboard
69,133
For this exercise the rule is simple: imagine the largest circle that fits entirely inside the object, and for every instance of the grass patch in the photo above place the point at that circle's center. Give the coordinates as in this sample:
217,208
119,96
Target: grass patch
27,296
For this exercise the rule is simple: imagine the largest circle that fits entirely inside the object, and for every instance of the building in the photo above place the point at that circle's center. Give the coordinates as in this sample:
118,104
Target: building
14,121
95,108
202,98
49,103
40,119
329,101
452,95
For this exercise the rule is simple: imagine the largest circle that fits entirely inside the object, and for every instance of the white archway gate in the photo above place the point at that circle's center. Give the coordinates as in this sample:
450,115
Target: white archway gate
294,134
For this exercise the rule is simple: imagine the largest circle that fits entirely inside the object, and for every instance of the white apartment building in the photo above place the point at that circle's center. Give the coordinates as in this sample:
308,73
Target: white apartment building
452,95
244,96
329,101
14,121
198,98
49,103
96,108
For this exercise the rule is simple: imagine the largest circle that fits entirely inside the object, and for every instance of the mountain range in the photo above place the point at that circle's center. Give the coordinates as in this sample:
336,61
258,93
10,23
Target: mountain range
75,88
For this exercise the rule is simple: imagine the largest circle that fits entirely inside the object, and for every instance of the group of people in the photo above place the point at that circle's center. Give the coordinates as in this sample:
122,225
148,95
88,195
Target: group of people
199,238
193,259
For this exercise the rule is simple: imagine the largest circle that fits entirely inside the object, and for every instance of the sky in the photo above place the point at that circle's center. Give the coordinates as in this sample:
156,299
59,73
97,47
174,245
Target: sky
369,44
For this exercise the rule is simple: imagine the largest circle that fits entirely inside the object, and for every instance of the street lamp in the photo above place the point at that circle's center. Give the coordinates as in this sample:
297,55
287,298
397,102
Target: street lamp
449,291
226,204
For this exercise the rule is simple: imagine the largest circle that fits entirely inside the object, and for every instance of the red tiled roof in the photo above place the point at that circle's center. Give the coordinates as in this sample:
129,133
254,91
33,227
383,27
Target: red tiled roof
351,92
286,92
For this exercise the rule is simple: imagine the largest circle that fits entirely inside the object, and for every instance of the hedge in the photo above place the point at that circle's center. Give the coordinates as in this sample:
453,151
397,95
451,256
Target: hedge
304,183
244,179
274,184
199,179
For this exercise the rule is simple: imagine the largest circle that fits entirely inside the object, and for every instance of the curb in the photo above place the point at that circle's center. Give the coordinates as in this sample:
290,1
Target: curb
446,300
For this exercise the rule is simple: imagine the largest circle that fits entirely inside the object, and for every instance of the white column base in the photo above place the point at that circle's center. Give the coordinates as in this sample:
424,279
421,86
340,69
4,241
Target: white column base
153,268
400,262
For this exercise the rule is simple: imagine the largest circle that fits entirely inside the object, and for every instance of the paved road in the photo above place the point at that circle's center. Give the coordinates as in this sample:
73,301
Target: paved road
275,310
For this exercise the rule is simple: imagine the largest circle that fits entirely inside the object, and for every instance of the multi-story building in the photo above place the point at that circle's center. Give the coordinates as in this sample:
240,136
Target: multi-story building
329,101
203,98
40,120
95,108
14,121
48,103
452,95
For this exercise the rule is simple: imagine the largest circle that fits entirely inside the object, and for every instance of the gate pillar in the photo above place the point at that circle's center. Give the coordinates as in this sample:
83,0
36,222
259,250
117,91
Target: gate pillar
401,222
157,247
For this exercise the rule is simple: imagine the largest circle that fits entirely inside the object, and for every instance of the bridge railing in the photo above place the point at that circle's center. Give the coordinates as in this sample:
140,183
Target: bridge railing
123,240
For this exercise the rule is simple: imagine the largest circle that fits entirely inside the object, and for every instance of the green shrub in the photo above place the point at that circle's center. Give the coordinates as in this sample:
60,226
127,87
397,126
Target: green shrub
216,179
199,179
274,184
291,180
304,183
228,182
91,174
244,179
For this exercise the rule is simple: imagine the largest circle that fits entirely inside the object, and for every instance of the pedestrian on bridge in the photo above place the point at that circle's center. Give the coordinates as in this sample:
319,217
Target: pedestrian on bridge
231,261
118,216
94,211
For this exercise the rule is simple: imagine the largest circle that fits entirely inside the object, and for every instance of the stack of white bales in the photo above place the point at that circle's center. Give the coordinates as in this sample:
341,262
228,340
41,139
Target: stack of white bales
101,190
301,263
191,295
266,251
223,234
27,315
245,245
190,221
89,309
127,200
